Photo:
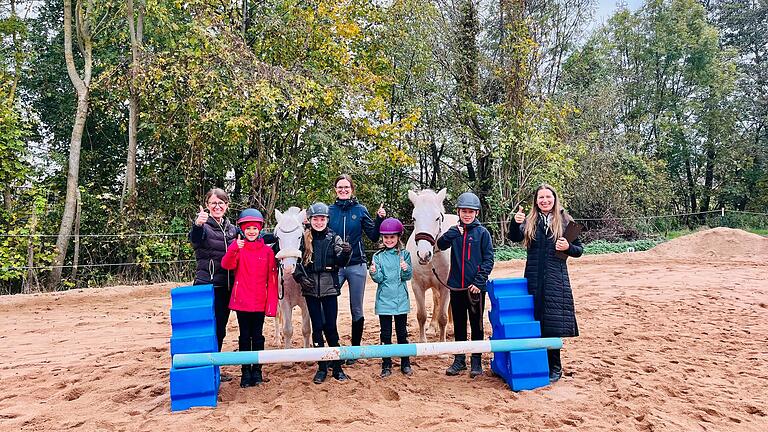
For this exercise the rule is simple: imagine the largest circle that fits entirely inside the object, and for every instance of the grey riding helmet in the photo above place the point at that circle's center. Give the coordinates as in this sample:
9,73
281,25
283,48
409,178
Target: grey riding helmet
317,209
468,200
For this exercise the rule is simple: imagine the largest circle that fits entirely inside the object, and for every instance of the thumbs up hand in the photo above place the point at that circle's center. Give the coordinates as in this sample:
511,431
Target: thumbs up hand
520,216
240,242
381,212
403,265
202,217
373,267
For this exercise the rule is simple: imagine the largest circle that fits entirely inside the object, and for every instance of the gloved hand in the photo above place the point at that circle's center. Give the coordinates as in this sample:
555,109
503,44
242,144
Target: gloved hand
346,247
307,283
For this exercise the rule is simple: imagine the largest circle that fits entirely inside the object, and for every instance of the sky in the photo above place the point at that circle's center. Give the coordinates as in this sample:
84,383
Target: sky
606,8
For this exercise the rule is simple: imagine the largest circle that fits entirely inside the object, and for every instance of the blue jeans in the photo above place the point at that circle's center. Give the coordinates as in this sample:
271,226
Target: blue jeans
356,276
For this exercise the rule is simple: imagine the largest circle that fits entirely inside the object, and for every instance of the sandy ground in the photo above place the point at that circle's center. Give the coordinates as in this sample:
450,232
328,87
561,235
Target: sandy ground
672,339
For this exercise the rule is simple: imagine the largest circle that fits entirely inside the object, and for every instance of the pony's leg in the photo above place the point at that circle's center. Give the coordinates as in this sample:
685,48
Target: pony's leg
442,306
287,325
434,323
306,324
421,310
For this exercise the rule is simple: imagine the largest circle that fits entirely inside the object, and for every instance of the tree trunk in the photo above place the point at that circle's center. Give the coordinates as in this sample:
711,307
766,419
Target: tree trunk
81,85
135,29
709,176
32,284
76,252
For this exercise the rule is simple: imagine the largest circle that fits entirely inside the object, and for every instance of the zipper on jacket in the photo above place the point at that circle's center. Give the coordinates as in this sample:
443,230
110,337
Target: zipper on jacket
463,247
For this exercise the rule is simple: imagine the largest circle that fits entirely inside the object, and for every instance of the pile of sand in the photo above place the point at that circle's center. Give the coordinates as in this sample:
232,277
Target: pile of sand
724,243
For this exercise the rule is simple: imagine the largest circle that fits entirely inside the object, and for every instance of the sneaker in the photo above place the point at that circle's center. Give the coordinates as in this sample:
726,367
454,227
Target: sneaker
459,364
320,376
385,372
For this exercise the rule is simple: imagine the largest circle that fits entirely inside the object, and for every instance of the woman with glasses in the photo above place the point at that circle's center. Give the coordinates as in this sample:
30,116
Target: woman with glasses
211,235
350,219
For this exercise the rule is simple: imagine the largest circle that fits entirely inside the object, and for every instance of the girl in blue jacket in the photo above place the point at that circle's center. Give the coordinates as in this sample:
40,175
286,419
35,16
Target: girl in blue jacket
391,268
471,264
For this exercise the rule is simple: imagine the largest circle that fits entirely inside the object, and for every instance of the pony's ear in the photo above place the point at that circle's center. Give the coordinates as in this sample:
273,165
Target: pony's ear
412,196
441,195
302,216
278,215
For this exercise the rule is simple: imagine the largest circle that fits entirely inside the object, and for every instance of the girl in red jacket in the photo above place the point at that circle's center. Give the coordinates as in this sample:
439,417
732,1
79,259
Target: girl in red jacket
254,294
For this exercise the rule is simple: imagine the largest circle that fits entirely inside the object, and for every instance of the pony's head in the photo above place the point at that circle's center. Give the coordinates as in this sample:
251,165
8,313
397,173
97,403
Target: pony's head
428,219
289,232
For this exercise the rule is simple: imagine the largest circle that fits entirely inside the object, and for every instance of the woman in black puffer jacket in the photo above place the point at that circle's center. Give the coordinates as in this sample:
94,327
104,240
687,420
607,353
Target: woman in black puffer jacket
211,235
542,233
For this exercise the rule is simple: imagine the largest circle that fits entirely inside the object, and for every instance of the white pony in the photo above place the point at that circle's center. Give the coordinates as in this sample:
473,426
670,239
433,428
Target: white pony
429,223
289,231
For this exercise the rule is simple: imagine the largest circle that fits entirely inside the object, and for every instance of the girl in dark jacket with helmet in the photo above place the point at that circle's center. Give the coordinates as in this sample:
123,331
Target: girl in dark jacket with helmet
391,268
350,220
322,253
210,236
542,233
471,264
254,294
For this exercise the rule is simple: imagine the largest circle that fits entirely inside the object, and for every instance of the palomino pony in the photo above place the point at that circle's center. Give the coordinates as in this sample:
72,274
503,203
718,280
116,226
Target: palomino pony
289,232
429,223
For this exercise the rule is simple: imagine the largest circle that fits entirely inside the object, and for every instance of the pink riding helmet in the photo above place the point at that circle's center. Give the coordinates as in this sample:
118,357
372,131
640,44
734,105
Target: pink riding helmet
391,226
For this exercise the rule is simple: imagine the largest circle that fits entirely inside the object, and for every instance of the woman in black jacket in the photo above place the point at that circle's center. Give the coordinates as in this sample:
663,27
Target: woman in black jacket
322,253
542,233
211,235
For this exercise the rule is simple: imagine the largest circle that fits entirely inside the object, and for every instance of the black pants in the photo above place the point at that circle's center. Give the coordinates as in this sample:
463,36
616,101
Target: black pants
221,308
322,314
251,329
460,307
401,329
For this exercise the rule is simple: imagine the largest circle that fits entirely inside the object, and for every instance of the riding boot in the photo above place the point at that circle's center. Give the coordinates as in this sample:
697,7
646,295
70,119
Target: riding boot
555,367
322,372
357,336
245,380
386,367
459,364
405,366
338,372
477,365
256,376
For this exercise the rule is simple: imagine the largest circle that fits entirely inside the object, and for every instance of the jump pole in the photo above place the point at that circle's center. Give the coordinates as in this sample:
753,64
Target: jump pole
361,352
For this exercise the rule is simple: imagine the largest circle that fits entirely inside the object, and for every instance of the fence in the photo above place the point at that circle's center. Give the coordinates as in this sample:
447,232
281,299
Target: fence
156,257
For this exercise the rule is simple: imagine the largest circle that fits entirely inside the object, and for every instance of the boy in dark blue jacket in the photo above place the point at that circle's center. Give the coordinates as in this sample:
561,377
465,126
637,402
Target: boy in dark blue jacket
471,263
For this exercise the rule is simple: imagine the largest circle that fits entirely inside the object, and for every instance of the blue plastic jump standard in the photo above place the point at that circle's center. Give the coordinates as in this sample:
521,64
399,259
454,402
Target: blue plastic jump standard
511,317
193,330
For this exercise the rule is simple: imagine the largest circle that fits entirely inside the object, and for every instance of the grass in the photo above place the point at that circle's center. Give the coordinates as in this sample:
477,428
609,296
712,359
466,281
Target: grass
505,253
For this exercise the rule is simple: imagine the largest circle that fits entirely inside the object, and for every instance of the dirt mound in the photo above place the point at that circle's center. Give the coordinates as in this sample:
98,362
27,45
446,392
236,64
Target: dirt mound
725,243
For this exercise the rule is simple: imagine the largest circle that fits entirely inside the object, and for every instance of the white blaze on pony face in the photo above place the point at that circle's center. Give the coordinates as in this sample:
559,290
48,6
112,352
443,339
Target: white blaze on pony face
428,216
289,232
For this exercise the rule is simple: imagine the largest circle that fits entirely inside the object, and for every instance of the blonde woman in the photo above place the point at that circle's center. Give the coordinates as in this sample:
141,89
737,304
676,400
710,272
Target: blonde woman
542,232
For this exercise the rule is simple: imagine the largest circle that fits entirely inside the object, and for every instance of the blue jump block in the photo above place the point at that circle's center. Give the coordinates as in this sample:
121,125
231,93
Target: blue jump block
193,330
517,330
192,295
194,387
507,287
512,309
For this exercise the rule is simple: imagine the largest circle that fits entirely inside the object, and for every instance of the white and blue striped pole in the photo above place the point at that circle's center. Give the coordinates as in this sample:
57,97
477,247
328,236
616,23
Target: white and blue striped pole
361,352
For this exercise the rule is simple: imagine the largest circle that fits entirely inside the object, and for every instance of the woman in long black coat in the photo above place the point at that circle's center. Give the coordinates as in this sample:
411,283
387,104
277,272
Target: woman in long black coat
542,232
